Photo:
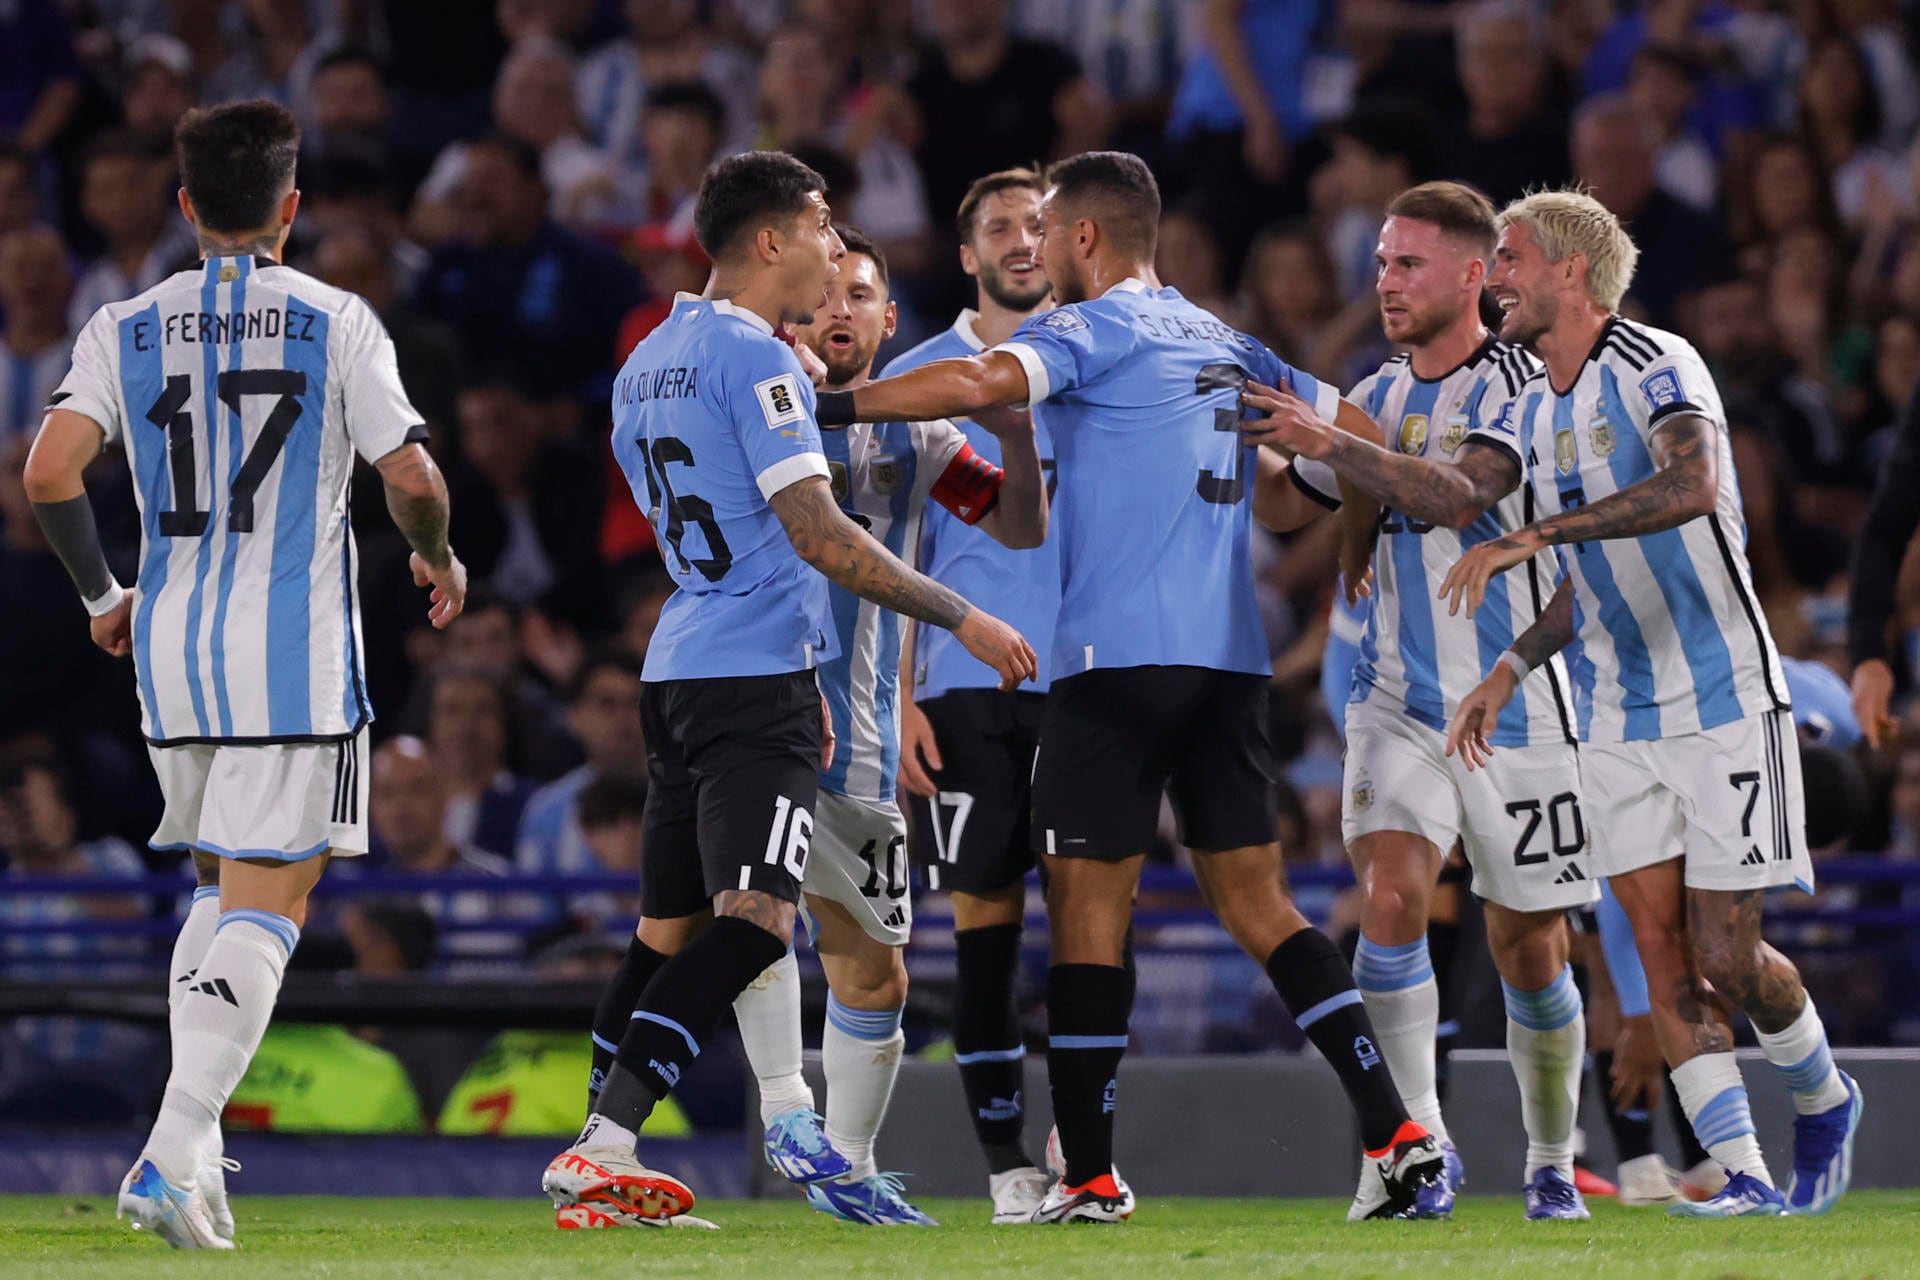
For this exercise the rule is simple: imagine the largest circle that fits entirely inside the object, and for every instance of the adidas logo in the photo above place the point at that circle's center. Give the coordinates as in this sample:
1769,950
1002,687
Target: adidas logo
216,987
1571,875
187,976
1753,858
897,919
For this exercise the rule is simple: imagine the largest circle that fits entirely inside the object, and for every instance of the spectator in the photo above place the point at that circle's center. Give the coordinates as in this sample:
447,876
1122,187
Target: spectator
1132,51
432,367
34,339
1665,86
603,709
159,88
348,98
352,187
126,195
645,596
39,76
1614,149
1290,292
525,503
490,636
666,44
19,200
271,53
1840,115
1378,152
39,833
612,811
467,720
1510,139
1786,190
516,286
1187,258
683,127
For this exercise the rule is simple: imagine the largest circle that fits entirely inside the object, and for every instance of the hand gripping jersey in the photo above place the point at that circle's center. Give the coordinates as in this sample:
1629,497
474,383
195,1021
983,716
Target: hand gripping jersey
1671,639
1021,588
241,390
712,416
1140,390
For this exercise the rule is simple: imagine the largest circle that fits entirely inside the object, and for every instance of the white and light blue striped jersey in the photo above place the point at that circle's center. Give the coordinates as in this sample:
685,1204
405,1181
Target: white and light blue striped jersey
1019,587
712,416
882,474
241,390
1413,655
1671,638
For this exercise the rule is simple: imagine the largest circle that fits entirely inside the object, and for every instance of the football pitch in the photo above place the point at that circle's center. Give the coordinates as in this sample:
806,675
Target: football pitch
1873,1234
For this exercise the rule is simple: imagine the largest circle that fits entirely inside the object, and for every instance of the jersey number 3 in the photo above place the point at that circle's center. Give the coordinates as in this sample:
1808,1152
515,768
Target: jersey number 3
1212,378
171,415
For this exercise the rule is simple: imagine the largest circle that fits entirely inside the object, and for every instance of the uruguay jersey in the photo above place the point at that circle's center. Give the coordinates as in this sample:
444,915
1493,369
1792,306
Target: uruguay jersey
1414,656
1671,639
241,390
882,476
1021,588
712,416
1140,390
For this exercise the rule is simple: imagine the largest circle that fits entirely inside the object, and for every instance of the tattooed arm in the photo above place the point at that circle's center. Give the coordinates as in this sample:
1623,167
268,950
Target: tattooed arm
417,500
1551,632
849,557
1685,485
1480,710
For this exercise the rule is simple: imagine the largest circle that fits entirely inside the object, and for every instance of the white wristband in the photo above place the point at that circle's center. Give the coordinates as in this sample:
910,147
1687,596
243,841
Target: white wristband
1516,664
107,602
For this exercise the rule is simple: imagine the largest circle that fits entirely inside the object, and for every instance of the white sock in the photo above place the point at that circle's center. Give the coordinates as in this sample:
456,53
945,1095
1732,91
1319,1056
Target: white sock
1801,1054
602,1132
190,946
1546,1039
217,1029
1403,1003
861,1052
1715,1100
768,1012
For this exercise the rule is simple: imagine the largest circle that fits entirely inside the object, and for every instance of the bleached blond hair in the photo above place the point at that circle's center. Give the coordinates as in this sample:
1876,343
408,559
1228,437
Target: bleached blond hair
1569,222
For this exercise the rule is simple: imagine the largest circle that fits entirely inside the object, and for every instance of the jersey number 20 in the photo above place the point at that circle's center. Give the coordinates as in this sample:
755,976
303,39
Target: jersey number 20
171,415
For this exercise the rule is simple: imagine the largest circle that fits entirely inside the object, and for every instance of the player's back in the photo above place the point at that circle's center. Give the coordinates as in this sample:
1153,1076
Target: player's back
241,389
1140,390
1020,587
1414,654
712,416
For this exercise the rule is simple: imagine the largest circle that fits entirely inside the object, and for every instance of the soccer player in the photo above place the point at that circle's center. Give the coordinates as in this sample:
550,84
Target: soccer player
856,879
1160,667
240,390
713,423
966,748
1406,802
1689,760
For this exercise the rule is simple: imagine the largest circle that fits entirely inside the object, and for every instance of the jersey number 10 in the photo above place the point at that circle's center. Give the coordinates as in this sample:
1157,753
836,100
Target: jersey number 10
171,415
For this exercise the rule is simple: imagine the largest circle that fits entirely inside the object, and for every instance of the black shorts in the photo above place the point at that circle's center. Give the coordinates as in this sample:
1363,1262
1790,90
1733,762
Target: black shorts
972,836
732,770
1114,740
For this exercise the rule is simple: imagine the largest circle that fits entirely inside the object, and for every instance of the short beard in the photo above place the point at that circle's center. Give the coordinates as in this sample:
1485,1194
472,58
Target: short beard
841,372
1434,325
994,284
1522,329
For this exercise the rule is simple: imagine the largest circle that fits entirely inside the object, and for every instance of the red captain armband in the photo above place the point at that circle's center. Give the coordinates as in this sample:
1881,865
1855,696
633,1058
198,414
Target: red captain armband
968,487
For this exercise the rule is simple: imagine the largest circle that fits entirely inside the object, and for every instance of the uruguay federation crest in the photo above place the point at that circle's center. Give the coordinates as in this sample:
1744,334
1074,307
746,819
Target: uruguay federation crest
1413,433
1600,436
1455,434
1564,452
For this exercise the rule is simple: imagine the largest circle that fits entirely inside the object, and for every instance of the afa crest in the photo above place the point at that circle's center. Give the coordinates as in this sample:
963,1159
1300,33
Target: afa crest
1565,453
1455,435
885,474
1413,433
837,477
1600,435
1363,797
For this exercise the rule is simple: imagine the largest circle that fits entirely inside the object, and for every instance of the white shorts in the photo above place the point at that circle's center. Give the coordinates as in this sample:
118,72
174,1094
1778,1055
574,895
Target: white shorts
1518,819
858,859
1727,800
288,802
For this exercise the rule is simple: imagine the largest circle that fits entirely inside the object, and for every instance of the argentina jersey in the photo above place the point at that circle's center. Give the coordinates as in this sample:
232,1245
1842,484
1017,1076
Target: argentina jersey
241,390
712,416
881,477
1140,391
1413,655
1671,639
1021,588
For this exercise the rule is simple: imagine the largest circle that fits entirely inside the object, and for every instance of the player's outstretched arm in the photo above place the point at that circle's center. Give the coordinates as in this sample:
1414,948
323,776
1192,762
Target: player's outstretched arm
417,500
957,388
55,481
1551,632
1019,515
850,557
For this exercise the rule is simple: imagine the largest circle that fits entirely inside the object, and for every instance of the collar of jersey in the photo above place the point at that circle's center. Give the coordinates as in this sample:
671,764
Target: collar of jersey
722,307
963,326
1132,284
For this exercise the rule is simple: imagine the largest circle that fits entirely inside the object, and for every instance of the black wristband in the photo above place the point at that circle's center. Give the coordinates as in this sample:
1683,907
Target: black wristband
71,532
835,408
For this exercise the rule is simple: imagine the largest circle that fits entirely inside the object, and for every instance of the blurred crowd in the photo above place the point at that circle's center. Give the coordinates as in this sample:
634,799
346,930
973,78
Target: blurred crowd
510,184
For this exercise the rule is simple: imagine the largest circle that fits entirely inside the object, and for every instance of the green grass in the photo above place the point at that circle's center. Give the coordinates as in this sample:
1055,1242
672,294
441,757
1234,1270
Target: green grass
1874,1234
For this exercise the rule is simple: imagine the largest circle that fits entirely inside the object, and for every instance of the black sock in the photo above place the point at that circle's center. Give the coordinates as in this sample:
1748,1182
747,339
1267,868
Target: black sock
682,1005
1310,975
615,1010
1691,1152
1443,938
1632,1130
1086,1036
986,1040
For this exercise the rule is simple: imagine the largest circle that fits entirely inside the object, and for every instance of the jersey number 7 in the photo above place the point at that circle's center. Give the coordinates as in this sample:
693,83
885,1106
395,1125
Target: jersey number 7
171,415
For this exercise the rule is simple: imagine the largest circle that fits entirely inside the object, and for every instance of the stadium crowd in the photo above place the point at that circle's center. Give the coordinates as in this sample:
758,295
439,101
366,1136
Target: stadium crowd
513,191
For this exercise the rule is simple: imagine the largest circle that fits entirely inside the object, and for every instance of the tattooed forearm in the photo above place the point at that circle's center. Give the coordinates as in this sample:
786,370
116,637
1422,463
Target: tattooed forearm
849,557
1552,631
1686,485
417,500
1451,494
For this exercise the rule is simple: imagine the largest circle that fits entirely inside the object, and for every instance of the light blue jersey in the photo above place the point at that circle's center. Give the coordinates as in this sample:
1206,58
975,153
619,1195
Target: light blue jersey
1822,704
1021,588
1671,638
712,416
241,391
1140,390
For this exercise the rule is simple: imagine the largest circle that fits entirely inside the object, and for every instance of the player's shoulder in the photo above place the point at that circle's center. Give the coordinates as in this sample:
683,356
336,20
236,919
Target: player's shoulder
1507,367
354,313
945,345
1630,346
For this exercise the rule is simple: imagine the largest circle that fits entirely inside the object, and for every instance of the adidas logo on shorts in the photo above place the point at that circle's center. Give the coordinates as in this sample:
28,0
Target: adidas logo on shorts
1572,875
897,919
1753,858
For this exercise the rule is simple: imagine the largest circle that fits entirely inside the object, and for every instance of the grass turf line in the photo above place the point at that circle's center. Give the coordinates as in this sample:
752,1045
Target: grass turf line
1873,1234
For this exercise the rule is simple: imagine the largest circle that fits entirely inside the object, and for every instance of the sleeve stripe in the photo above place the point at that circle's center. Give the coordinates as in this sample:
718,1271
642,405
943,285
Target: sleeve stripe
1638,337
1668,410
1039,385
1627,353
1495,442
789,471
1305,486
